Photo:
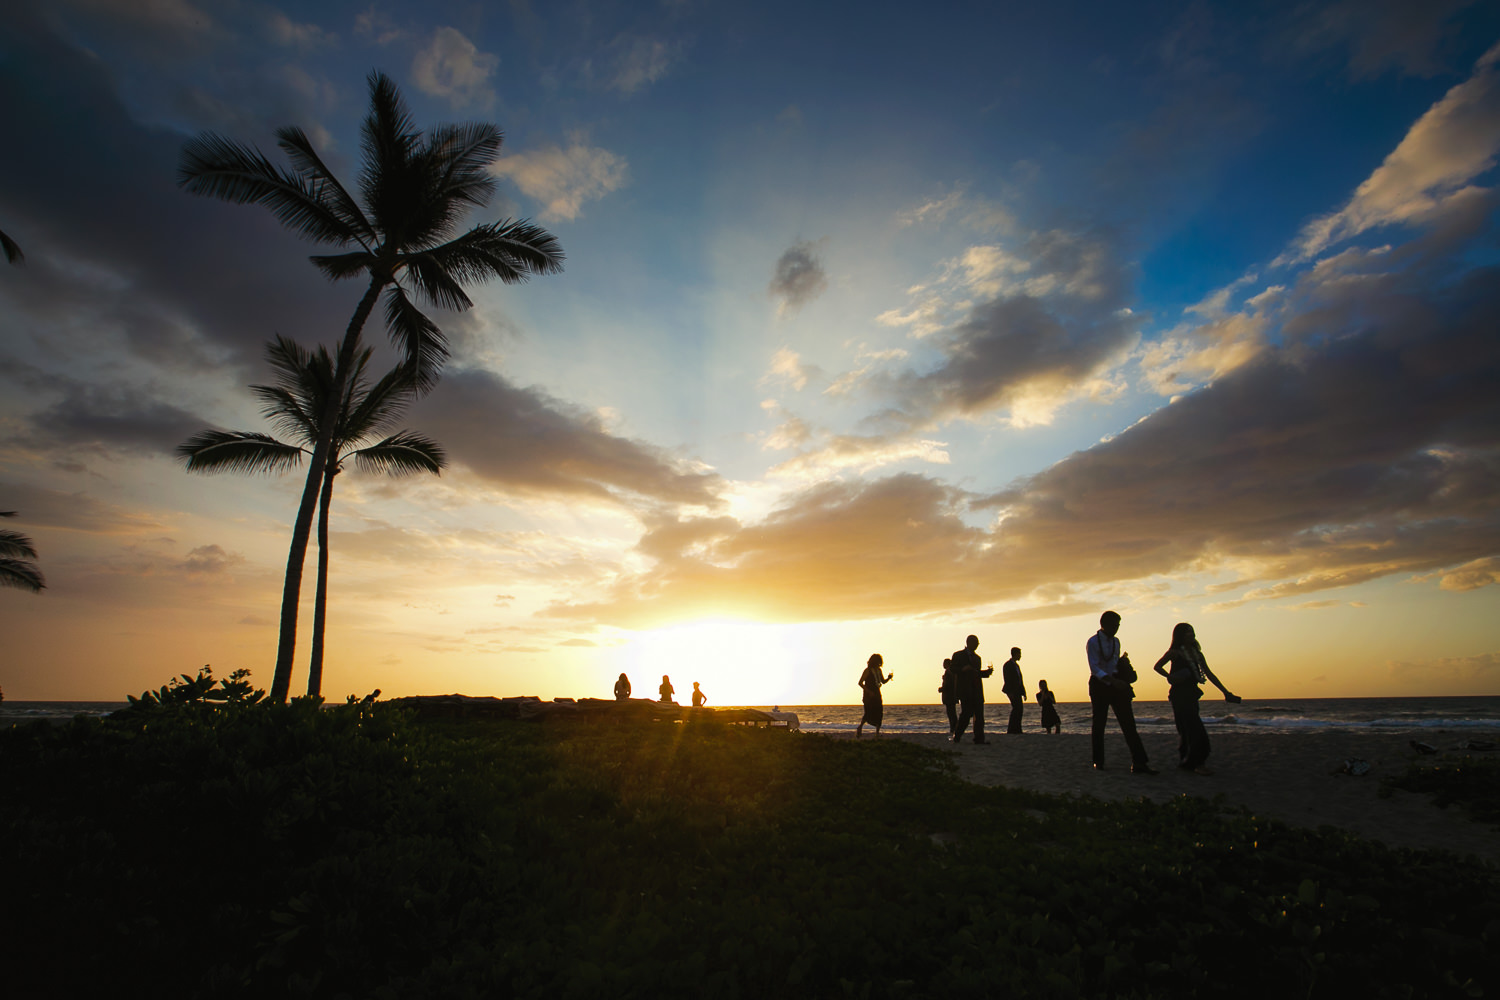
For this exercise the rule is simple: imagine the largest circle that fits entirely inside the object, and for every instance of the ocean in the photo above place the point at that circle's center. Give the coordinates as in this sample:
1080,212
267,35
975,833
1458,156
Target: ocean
1470,715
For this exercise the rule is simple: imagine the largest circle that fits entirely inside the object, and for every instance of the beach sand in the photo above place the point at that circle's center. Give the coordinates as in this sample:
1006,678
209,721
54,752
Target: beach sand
1286,777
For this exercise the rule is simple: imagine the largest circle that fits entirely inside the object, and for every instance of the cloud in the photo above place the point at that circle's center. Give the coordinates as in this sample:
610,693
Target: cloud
208,560
453,68
1382,34
104,417
833,552
72,511
1484,669
1452,144
564,178
297,34
787,366
377,26
799,278
526,441
1051,319
639,62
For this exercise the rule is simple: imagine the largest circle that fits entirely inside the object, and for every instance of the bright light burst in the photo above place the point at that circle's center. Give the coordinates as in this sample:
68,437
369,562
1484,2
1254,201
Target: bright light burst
736,662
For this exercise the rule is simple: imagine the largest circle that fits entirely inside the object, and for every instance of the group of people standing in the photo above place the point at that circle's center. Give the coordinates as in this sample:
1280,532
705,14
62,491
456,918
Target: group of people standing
1111,689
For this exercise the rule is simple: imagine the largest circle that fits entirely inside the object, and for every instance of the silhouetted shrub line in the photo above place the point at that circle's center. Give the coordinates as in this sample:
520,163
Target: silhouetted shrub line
218,846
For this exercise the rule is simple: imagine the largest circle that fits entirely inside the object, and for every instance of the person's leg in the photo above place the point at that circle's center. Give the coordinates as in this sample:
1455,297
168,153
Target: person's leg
952,708
1197,735
965,713
979,721
1125,713
1014,726
1099,702
1180,720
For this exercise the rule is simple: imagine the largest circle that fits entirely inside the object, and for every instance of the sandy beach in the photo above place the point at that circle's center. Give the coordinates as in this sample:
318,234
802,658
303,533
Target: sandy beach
1287,777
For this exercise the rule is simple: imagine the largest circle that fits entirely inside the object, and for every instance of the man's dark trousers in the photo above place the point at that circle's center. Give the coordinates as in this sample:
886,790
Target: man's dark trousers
1104,696
1015,714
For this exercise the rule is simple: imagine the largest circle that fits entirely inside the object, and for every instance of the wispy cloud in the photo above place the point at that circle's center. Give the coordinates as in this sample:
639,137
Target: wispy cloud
638,61
1452,144
564,178
453,68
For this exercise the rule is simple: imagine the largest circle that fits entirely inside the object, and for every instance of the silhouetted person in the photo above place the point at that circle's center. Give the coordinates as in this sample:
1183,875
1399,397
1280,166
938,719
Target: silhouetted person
871,680
698,696
622,688
1189,669
1109,690
970,689
1014,688
666,690
949,690
369,699
1048,702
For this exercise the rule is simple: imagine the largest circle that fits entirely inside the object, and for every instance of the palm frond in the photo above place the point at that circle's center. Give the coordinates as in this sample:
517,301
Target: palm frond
14,545
22,574
435,283
345,265
464,153
378,405
239,451
401,454
422,345
389,139
299,149
221,168
12,249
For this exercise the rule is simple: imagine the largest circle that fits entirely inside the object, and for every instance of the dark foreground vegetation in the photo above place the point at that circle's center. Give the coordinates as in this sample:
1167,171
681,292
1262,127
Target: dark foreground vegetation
224,848
1472,783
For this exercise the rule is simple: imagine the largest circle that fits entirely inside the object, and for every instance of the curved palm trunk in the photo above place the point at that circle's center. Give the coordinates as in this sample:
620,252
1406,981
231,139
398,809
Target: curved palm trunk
291,593
320,604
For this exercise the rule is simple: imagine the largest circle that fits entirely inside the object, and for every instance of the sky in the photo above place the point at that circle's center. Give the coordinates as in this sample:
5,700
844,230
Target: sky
880,325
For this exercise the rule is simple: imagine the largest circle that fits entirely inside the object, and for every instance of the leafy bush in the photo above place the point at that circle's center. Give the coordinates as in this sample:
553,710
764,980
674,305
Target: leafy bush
218,848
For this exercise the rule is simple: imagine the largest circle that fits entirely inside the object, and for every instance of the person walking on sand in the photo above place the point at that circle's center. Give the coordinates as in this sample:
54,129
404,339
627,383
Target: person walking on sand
871,680
1110,677
699,698
622,688
949,690
1048,702
666,690
967,667
1014,688
1189,669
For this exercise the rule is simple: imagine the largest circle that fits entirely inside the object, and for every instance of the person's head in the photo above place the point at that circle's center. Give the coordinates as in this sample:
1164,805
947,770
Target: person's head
947,664
972,642
1043,683
875,660
1109,622
665,679
622,676
1183,634
1015,652
695,685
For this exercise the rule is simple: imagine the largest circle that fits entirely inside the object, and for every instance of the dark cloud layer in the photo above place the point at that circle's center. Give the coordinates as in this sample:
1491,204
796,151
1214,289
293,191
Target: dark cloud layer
524,440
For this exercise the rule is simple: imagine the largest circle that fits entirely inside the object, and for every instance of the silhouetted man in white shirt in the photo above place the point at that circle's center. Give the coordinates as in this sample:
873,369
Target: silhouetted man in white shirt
1108,690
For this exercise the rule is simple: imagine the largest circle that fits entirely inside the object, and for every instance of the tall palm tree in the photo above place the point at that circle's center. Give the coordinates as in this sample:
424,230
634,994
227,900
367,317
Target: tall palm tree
295,404
16,567
414,190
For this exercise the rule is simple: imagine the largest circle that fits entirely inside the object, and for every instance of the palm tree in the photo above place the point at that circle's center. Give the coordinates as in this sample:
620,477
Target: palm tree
414,191
16,567
295,404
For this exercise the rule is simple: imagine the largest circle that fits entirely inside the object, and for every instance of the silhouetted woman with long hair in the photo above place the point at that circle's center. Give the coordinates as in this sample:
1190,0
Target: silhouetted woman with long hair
871,680
1189,669
622,688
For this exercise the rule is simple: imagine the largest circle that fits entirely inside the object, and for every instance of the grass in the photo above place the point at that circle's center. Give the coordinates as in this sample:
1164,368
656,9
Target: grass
1472,783
252,850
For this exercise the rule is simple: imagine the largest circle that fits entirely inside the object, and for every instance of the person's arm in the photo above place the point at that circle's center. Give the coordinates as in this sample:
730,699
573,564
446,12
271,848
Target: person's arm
890,677
1096,657
1229,696
1164,658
